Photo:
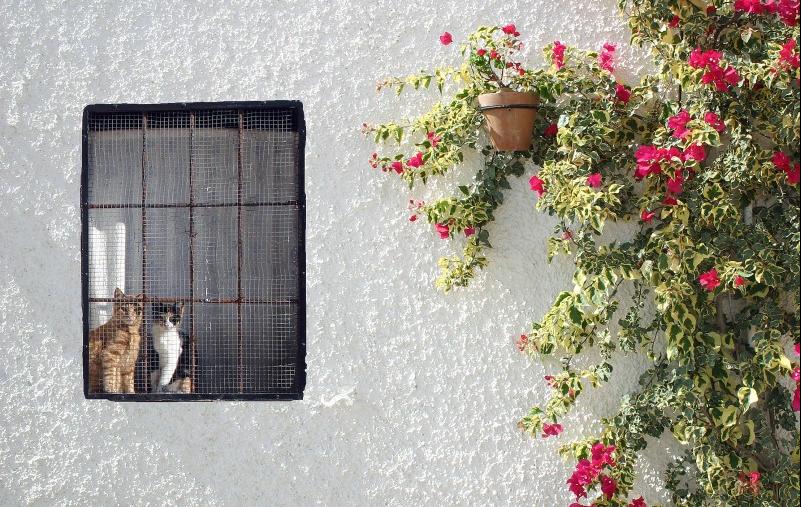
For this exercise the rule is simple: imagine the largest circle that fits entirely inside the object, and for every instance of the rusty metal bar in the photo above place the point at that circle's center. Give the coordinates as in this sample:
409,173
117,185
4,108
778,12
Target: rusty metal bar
240,362
207,300
192,344
146,357
195,205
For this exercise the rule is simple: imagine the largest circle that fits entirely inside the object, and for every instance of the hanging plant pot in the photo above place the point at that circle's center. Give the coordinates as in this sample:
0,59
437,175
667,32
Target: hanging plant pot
510,118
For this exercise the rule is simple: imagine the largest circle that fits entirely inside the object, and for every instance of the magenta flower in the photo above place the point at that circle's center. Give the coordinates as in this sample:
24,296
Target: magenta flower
551,130
605,59
510,29
558,54
537,185
594,180
678,124
739,281
674,21
443,230
638,502
416,161
469,231
695,152
433,138
622,93
481,52
551,430
397,166
647,216
709,280
788,57
714,121
446,38
608,486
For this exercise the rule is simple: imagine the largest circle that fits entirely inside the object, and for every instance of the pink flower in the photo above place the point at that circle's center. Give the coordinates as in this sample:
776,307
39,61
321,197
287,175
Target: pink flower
781,161
700,59
788,11
669,200
678,124
608,486
675,185
674,21
415,161
413,218
739,281
797,400
558,54
647,216
522,342
443,230
605,59
796,375
638,502
731,76
714,121
749,6
594,180
551,130
481,52
510,29
446,38
397,166
798,349
551,430
537,185
494,55
709,280
433,138
788,57
469,231
549,380
695,152
622,93
602,454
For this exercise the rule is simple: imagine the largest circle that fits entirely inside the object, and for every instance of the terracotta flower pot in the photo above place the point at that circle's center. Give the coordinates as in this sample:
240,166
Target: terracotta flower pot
510,118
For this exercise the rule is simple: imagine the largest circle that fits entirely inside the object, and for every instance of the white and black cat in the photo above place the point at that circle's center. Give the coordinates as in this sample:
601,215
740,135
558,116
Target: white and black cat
173,348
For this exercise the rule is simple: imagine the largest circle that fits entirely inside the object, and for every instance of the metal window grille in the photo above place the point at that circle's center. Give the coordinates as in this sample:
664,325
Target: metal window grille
201,204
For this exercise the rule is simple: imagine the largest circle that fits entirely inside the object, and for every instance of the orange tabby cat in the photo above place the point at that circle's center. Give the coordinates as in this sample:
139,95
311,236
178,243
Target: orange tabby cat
114,346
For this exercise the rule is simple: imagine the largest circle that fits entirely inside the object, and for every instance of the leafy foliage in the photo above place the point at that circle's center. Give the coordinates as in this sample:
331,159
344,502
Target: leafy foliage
701,159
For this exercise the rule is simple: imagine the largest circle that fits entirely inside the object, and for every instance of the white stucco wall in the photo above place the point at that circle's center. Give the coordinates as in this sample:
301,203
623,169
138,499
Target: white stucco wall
433,383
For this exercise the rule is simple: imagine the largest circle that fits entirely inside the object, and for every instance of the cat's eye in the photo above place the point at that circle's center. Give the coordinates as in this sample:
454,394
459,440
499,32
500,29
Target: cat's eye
200,210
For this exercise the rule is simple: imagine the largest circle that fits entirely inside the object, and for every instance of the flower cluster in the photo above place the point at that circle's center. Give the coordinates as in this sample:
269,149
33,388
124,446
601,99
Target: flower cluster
796,376
558,54
606,58
787,10
784,164
788,56
750,482
594,470
722,78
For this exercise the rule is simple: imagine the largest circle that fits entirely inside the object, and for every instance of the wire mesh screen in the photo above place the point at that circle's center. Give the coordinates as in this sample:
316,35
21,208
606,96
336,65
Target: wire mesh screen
193,251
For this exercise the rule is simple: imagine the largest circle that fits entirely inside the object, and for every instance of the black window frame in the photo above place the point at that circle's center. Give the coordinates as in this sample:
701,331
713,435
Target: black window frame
299,126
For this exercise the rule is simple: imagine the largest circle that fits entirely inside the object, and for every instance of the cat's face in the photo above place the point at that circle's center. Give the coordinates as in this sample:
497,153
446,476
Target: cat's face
128,310
168,314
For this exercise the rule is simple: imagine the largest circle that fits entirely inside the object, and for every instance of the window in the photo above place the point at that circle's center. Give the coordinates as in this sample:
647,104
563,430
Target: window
192,252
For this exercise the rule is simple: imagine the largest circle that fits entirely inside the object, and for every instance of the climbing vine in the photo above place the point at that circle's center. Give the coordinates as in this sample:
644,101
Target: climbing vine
701,159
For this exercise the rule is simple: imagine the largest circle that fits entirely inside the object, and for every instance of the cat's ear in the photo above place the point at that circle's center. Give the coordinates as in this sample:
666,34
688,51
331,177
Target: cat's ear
180,308
118,294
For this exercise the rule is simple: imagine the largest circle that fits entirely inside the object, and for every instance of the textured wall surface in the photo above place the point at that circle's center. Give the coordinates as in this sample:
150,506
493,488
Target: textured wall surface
412,396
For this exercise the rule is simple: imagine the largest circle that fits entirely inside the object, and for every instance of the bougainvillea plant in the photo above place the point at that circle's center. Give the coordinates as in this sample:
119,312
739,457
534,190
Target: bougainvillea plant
701,160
